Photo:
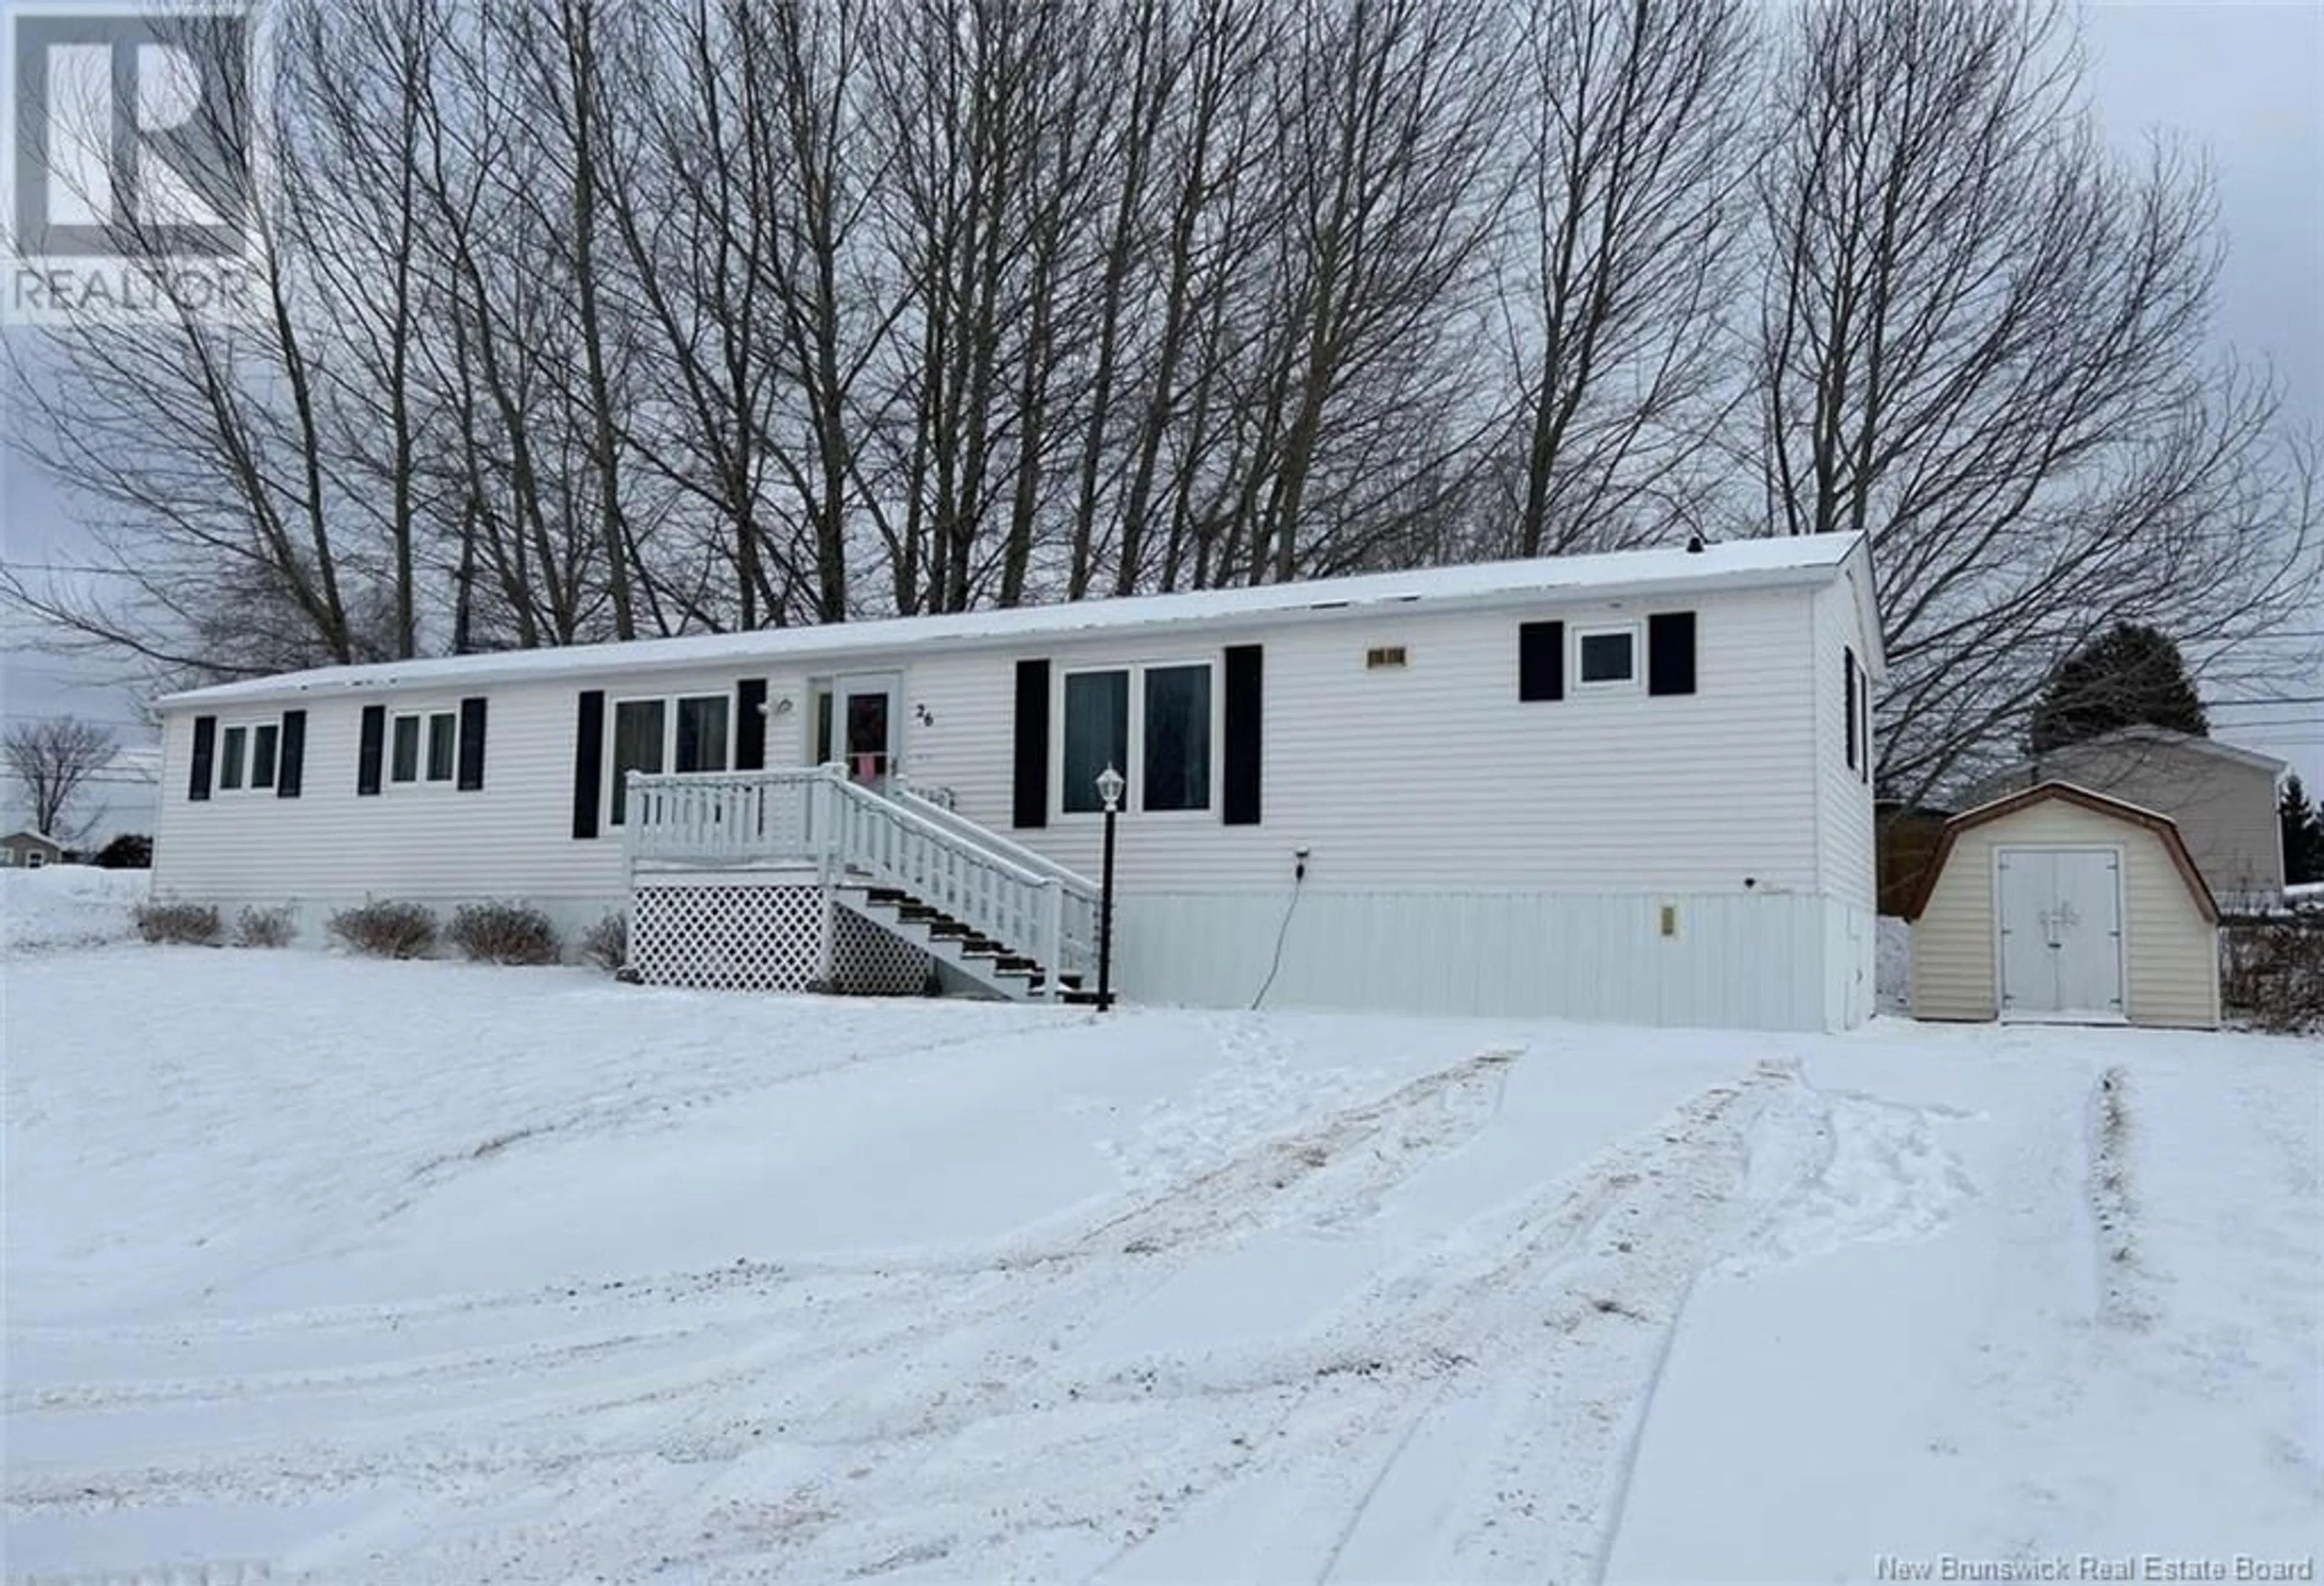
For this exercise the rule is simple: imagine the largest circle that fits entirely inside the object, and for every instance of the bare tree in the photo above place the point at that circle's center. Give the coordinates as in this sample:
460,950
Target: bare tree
1983,345
54,760
1633,155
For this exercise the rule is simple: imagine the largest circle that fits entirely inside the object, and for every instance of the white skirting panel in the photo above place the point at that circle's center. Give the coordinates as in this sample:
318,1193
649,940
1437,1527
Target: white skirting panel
1851,964
1736,961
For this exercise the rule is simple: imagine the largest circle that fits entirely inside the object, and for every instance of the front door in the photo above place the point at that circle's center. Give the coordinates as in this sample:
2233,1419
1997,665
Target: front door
868,712
2061,933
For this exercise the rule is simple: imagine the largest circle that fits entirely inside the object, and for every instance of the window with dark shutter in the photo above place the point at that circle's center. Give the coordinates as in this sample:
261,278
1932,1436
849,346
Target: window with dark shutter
1244,734
1864,693
205,757
1670,652
292,768
588,760
1029,762
371,749
1541,661
750,724
1848,706
472,745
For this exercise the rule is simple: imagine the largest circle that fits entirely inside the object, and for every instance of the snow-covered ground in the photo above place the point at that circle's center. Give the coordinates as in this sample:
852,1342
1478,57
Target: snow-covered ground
64,906
353,1271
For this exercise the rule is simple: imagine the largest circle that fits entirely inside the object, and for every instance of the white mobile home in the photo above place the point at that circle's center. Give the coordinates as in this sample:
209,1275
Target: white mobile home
1630,787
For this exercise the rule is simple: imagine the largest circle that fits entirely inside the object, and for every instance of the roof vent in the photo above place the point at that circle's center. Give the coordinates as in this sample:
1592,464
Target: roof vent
1694,544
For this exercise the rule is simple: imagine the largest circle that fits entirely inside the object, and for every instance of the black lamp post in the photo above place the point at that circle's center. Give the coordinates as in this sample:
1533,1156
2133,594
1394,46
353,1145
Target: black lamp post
1111,787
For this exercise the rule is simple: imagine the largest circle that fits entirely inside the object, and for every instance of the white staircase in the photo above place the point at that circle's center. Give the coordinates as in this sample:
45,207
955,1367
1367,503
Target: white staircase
1008,919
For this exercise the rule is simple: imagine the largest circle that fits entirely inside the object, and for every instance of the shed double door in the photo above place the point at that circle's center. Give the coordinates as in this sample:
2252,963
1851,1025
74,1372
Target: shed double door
2060,925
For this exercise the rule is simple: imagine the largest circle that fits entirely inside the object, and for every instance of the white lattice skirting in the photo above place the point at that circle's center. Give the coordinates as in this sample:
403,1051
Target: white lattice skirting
769,937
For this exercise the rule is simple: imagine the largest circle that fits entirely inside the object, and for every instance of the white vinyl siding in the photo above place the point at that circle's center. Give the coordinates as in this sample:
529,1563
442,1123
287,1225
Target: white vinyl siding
1434,773
2171,952
1428,794
1844,795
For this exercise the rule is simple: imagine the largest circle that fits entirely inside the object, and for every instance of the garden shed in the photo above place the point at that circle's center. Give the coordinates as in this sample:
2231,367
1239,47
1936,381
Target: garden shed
2060,904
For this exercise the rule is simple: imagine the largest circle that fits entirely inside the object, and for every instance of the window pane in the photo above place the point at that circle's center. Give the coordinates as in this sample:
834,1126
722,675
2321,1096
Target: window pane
1605,658
867,737
443,731
702,734
261,756
636,746
230,757
822,724
1097,734
1178,738
403,760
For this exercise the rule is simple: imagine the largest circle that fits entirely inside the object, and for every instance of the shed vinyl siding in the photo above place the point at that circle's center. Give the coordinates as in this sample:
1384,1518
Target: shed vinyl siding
1436,774
2171,954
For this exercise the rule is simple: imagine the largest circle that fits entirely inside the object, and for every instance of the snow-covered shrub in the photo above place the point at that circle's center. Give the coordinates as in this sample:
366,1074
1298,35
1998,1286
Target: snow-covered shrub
606,944
192,925
503,933
265,927
386,929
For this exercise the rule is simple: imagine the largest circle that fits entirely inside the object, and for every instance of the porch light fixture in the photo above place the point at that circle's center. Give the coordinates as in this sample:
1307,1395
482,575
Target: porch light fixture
1110,786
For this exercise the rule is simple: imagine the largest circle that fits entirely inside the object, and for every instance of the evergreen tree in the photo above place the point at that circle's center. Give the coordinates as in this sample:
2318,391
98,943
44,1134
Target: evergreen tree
2129,675
2304,835
129,851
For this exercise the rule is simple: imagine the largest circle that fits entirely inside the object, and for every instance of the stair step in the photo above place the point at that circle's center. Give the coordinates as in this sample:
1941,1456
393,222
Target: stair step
951,928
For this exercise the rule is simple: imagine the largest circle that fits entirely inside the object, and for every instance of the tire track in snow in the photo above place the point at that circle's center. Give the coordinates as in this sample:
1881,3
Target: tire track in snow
837,1343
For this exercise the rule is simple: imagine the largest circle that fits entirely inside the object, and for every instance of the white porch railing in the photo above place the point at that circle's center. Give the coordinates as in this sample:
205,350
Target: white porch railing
1000,888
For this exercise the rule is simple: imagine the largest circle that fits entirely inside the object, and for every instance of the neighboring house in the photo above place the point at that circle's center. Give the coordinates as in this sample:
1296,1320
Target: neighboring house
27,850
1629,787
2222,799
2059,905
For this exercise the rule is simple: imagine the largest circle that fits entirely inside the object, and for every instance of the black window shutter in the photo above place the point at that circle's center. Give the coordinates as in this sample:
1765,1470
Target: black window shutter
1030,806
1246,733
1670,652
291,759
198,785
588,760
750,724
472,744
1849,660
1864,694
1541,661
370,747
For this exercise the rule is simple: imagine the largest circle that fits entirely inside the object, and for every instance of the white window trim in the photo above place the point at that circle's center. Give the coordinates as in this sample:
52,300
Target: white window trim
387,781
668,703
248,727
1133,796
1635,632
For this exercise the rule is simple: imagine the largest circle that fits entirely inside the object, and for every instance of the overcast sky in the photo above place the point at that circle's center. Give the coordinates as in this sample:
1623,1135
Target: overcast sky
2243,80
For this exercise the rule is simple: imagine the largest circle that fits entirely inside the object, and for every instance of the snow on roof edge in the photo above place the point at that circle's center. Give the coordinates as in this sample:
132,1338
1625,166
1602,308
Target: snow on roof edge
1745,563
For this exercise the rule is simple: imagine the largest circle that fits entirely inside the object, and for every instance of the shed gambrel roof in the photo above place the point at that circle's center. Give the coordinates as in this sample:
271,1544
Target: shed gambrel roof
2162,825
1743,564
